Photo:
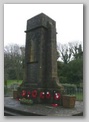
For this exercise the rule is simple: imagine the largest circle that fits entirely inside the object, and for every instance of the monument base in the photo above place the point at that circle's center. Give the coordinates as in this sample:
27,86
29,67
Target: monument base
41,95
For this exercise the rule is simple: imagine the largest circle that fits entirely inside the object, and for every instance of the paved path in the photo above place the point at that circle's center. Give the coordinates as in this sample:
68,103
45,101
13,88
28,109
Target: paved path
41,109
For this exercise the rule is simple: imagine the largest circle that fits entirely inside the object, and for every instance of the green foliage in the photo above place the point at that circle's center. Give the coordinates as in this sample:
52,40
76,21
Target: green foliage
26,101
79,96
76,71
11,82
71,72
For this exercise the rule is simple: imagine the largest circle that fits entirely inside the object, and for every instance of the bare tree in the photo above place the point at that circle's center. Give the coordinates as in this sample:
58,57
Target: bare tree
65,52
70,51
77,49
13,58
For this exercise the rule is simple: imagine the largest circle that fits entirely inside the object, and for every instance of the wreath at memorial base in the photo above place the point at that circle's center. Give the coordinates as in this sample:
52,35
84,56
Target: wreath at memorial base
26,101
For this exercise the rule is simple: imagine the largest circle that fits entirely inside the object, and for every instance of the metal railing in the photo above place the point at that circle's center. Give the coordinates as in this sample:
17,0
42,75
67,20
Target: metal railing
77,91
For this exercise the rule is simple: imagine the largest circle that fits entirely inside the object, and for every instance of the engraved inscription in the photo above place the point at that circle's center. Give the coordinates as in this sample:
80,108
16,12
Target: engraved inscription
33,72
33,51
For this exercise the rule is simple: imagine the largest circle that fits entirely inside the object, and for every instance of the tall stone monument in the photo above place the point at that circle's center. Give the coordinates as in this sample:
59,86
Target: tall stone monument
40,79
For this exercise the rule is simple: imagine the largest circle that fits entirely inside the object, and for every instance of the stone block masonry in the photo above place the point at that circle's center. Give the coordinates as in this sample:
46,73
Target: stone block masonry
41,60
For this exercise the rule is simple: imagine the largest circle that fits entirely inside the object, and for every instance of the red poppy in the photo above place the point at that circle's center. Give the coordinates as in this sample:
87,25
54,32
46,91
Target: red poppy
23,93
54,105
57,96
42,95
28,94
34,93
48,95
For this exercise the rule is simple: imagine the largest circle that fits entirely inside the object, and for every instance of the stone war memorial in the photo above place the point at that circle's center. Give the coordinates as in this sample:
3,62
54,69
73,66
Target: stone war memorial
41,93
40,82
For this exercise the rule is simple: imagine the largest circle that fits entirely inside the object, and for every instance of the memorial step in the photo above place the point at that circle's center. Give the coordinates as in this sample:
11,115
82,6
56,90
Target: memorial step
14,112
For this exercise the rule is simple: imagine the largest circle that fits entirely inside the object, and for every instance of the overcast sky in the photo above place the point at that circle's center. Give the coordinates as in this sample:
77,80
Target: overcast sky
68,17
